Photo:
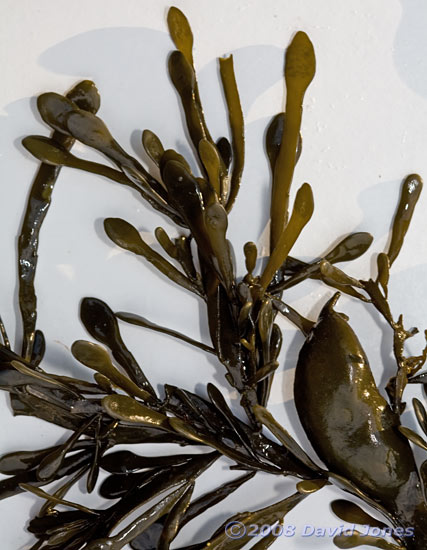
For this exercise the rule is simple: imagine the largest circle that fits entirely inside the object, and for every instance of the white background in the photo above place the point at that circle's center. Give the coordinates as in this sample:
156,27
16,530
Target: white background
364,129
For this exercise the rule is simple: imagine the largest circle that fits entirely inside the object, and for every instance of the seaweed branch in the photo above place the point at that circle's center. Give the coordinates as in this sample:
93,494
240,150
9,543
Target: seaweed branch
354,431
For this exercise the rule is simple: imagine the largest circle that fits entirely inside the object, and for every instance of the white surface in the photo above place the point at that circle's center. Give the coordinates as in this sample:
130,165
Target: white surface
364,129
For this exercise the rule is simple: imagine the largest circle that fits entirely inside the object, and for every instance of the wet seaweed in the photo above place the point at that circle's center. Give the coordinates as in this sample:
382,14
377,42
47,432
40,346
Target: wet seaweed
351,426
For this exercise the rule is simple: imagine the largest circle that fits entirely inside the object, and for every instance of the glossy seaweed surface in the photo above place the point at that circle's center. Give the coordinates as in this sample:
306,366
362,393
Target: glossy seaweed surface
354,430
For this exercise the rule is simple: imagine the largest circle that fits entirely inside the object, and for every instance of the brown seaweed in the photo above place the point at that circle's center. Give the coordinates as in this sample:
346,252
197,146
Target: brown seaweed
84,95
354,430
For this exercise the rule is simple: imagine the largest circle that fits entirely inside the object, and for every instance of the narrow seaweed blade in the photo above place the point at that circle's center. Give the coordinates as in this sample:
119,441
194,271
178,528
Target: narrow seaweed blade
97,358
134,319
40,493
300,66
183,76
181,33
153,146
301,214
421,414
174,519
128,409
284,437
383,265
149,539
236,122
50,152
140,524
123,234
124,462
21,461
51,463
83,95
101,323
265,516
410,193
413,437
184,79
212,163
